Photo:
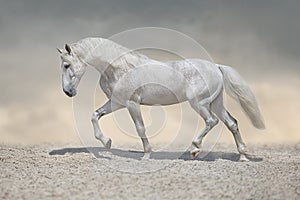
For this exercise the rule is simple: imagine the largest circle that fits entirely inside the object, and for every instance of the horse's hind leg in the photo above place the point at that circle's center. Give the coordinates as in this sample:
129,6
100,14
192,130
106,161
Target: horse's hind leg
231,123
210,122
107,108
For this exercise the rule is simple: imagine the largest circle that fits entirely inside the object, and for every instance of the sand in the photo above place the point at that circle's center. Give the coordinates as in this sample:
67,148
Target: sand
60,172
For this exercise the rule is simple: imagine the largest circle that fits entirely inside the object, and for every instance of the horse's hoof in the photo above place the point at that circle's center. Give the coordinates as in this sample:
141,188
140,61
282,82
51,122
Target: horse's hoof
146,156
108,144
243,158
195,152
148,149
250,156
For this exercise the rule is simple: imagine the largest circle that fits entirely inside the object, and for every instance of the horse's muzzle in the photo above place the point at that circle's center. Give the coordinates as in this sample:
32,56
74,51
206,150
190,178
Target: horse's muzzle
70,93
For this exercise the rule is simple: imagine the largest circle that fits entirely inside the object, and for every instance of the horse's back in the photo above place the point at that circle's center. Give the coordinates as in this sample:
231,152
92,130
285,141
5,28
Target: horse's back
178,81
203,78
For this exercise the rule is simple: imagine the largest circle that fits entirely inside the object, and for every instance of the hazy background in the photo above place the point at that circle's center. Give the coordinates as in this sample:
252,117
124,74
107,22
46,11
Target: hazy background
258,38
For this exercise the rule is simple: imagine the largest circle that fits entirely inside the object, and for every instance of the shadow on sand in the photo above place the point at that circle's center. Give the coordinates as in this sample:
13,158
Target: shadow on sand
160,155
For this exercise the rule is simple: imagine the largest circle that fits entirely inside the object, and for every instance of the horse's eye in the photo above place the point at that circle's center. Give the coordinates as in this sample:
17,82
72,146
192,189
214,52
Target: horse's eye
66,65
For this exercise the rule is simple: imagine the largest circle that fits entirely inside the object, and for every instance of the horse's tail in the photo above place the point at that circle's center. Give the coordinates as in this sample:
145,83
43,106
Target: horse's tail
236,87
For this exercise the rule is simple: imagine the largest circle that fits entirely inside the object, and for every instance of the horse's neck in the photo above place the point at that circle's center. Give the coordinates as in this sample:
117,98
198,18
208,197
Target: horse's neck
100,53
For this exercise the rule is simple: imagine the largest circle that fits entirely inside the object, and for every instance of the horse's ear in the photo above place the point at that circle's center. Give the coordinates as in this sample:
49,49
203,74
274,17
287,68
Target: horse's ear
59,50
68,48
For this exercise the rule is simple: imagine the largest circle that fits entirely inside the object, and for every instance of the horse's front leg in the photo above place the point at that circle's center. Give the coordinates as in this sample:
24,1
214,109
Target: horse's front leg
135,113
107,108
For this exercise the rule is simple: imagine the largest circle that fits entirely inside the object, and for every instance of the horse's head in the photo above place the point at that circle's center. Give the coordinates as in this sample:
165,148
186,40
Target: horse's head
72,70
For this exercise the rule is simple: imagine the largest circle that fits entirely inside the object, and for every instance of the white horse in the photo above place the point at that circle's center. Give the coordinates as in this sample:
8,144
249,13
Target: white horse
130,79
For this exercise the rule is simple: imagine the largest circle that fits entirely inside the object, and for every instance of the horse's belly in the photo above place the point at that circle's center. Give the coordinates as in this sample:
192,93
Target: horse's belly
153,85
153,94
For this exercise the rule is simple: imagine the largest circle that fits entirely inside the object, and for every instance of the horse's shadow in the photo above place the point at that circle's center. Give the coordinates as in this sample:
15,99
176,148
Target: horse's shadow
159,155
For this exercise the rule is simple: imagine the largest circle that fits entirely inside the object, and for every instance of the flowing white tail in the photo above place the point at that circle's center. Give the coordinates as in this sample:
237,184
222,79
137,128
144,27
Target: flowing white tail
237,88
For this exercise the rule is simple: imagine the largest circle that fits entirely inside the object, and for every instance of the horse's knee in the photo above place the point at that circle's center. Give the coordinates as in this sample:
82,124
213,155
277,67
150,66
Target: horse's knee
215,121
211,122
96,115
140,129
233,127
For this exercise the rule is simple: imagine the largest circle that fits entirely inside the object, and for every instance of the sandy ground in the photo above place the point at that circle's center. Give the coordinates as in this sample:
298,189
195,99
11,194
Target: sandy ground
57,172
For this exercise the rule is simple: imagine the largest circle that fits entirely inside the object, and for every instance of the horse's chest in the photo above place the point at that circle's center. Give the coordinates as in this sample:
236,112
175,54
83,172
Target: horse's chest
107,85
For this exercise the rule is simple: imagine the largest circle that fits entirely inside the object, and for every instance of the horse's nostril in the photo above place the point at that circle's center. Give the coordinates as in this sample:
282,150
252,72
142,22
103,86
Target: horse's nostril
68,93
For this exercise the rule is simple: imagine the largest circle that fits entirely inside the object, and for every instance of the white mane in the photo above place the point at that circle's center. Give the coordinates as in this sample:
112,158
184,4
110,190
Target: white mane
104,52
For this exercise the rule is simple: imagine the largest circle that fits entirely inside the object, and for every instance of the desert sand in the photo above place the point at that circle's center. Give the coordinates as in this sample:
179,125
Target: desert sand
72,172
